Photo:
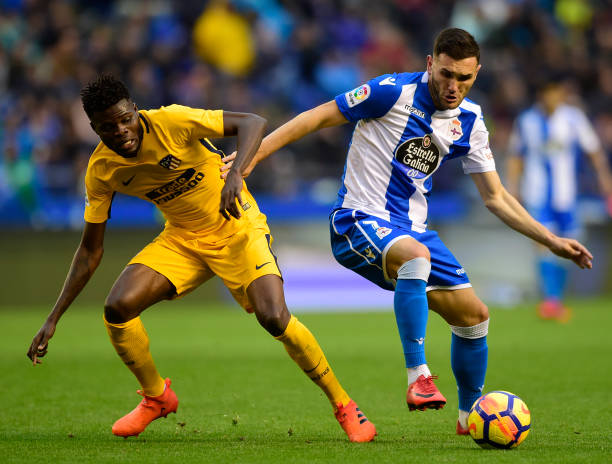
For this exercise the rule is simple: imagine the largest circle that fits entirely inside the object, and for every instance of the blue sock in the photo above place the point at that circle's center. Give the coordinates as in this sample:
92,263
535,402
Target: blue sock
411,310
553,277
469,364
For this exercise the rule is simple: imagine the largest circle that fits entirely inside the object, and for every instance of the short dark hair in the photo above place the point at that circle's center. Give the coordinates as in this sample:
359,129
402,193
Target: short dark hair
103,93
456,43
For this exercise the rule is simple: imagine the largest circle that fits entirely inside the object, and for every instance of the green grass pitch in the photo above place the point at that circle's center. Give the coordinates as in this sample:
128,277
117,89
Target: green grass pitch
243,400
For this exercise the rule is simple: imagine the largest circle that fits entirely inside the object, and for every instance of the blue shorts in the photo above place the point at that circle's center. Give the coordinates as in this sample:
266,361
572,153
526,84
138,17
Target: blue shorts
360,242
564,223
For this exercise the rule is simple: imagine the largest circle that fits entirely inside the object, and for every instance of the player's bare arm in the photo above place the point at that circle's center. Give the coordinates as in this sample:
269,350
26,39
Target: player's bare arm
325,115
509,210
86,259
249,129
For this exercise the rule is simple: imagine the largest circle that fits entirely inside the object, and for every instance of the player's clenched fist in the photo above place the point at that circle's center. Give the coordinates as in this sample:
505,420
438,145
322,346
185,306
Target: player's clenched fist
229,194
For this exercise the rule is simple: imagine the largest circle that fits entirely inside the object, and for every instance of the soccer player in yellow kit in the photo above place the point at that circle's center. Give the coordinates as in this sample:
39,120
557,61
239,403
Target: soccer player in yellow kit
213,227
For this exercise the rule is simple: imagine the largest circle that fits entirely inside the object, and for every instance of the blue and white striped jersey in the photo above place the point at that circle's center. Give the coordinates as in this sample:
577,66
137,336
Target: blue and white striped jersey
399,141
550,146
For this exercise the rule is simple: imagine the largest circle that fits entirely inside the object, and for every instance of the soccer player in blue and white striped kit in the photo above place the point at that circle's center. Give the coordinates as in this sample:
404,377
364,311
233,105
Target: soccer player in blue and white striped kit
407,125
547,144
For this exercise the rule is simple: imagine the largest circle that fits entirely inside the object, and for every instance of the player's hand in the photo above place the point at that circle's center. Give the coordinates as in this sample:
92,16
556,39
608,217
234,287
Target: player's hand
40,342
230,194
574,250
229,162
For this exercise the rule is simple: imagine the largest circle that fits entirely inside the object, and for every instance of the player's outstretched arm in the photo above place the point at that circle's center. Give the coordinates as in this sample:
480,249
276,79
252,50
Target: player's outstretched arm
84,263
509,210
325,115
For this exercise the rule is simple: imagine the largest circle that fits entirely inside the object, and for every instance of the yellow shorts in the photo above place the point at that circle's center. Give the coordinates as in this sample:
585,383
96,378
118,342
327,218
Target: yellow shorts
188,259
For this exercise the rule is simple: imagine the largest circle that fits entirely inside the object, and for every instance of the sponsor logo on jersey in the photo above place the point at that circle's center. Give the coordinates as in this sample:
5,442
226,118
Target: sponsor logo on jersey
356,96
420,155
454,129
387,81
416,111
170,162
183,183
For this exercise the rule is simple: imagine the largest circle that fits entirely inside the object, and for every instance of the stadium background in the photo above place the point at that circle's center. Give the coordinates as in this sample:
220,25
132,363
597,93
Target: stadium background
277,58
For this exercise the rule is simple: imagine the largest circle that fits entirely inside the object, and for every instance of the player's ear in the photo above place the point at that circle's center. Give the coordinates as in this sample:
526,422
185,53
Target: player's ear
429,63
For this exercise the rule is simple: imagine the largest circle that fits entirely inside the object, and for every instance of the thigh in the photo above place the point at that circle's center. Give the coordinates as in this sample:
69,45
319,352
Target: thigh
460,307
136,288
446,272
360,242
246,257
175,256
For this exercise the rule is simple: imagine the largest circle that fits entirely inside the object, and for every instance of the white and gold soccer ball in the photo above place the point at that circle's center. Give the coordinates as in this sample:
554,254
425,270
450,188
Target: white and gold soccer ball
499,419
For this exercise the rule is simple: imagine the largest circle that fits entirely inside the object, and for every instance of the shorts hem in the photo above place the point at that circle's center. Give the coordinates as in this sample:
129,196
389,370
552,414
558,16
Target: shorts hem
429,288
178,291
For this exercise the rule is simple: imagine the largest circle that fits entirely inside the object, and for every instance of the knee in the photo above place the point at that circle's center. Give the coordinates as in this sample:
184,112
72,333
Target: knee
477,314
400,256
119,309
273,317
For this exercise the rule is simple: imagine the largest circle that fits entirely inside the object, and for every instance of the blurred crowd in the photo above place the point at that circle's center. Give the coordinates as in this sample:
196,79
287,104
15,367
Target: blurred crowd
275,58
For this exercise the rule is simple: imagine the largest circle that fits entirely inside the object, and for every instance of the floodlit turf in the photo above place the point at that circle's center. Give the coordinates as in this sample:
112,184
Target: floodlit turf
243,400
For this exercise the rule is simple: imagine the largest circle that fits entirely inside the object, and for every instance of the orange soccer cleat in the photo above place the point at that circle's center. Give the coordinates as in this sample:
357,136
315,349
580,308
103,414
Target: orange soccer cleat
149,409
356,425
423,394
554,309
461,430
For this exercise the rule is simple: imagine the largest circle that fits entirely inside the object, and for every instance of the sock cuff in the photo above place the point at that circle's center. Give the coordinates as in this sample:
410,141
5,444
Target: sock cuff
289,330
472,332
417,268
122,325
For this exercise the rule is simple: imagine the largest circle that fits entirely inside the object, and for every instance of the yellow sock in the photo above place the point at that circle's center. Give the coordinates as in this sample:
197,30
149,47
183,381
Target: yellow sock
306,352
131,342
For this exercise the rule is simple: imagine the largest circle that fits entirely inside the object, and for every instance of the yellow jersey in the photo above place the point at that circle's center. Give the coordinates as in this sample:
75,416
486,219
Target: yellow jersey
176,168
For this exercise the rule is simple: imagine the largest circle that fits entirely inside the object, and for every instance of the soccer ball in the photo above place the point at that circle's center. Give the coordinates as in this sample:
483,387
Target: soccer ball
499,419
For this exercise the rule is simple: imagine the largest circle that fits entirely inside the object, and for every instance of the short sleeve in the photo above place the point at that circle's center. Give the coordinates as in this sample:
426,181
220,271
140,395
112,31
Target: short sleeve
98,199
370,100
479,157
587,138
193,123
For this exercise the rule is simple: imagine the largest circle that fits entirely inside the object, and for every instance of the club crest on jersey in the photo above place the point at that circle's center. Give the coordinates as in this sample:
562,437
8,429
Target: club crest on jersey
419,155
454,129
382,232
356,96
170,162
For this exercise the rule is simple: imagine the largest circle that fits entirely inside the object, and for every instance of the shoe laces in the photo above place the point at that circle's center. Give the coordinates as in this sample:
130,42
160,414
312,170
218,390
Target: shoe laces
428,385
147,401
342,414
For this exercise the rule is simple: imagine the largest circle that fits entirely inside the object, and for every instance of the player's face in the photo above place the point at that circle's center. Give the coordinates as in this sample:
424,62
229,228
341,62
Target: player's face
551,97
450,80
118,127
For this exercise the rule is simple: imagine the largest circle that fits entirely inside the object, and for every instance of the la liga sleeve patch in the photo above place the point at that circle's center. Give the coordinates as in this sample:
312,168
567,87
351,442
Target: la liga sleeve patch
358,95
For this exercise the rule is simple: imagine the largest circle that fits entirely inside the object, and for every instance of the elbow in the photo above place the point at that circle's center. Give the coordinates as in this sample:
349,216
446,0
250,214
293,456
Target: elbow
258,121
492,204
92,257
